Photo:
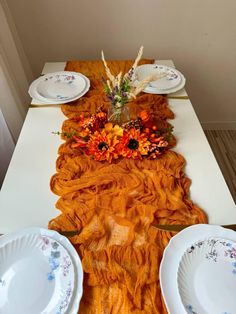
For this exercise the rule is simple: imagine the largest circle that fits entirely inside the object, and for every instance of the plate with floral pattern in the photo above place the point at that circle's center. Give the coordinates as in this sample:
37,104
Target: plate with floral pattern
59,87
36,275
185,268
207,277
169,79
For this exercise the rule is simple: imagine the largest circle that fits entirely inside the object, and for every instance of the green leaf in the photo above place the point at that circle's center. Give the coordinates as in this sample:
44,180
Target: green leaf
106,89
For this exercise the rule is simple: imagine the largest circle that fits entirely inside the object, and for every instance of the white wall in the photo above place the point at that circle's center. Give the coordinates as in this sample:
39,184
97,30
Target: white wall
198,35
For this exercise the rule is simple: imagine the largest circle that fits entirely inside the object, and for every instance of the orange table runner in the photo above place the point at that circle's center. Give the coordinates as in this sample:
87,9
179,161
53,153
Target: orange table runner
114,206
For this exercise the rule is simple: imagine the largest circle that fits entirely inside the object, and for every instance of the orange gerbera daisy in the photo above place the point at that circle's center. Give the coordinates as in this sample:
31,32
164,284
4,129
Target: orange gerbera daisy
133,144
103,146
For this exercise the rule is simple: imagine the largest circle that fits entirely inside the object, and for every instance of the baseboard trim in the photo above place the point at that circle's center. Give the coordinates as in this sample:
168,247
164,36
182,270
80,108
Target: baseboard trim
219,125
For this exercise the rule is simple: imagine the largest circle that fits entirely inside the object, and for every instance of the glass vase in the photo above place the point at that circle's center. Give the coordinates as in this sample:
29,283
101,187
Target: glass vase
118,114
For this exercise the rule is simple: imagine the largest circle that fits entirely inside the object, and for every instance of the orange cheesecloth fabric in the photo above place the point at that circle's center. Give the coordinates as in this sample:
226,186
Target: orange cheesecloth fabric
113,206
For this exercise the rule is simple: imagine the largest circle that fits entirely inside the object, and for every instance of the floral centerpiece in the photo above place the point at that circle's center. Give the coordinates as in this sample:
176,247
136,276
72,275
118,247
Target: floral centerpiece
104,141
120,90
107,136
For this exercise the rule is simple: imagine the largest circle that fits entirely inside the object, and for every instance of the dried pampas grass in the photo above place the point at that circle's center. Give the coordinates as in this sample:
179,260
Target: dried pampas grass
114,83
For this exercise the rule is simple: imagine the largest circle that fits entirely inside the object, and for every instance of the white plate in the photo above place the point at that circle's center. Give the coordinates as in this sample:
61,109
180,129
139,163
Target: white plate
207,277
171,261
59,87
151,90
35,276
172,82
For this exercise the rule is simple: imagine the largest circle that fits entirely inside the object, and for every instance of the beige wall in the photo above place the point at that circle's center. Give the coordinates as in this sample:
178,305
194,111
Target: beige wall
200,36
15,73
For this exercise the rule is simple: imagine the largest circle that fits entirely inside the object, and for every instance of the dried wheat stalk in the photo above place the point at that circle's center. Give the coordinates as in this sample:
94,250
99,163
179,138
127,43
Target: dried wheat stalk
114,82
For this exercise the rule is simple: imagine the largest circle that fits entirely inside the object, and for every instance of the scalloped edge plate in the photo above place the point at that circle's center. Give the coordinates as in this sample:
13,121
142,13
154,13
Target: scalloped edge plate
207,276
173,254
34,93
35,271
150,89
78,271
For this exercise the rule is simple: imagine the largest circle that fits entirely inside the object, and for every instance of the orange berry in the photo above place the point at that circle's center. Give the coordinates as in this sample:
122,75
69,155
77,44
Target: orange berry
144,115
153,135
154,128
101,114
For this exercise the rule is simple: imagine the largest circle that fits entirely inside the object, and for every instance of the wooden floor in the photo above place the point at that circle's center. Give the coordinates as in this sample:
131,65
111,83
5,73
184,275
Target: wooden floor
223,145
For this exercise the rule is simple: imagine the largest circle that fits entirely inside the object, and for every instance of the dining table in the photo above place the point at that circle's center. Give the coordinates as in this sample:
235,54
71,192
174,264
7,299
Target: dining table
26,199
112,204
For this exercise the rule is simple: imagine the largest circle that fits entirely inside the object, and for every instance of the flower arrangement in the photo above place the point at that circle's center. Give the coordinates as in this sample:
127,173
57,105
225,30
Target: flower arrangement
109,137
120,91
136,139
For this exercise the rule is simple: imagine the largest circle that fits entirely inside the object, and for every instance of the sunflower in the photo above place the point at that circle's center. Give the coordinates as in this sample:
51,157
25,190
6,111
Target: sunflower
103,146
133,144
